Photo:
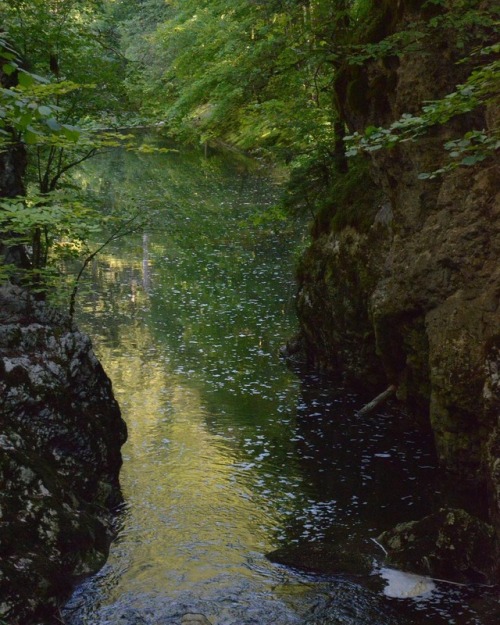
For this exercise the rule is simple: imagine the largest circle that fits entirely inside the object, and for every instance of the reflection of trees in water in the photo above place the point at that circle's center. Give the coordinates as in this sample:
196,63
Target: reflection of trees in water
197,299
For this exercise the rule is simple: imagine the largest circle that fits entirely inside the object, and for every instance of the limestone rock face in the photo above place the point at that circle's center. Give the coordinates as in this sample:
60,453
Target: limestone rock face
449,544
422,300
336,277
60,438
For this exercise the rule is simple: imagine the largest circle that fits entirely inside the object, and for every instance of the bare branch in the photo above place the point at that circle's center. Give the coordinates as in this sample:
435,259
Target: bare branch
123,230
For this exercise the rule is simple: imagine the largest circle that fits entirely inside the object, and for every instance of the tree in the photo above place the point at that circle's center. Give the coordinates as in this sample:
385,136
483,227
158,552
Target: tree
262,75
58,122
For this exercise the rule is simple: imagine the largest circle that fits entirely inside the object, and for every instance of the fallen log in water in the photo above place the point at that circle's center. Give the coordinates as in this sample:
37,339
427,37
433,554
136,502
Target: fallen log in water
378,401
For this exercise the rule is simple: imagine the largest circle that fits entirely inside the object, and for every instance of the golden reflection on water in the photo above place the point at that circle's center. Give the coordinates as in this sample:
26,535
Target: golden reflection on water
200,514
191,516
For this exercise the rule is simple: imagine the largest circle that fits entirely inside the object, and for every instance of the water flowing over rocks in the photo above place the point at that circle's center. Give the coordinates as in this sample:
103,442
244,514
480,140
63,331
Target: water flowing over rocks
60,438
414,299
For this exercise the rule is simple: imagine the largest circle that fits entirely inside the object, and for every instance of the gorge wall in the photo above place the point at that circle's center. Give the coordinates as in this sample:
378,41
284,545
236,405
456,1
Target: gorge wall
413,299
60,438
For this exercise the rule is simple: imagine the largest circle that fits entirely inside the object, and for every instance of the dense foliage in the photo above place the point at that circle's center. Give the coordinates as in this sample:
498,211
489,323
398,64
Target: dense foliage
260,76
62,85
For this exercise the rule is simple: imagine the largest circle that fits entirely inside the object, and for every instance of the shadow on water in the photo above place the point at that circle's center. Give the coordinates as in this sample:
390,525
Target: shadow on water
229,457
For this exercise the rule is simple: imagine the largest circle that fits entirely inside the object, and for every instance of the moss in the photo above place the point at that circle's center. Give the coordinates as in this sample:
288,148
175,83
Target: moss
450,543
352,201
383,16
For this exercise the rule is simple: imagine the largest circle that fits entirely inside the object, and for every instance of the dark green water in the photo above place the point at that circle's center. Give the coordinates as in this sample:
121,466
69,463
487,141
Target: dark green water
229,457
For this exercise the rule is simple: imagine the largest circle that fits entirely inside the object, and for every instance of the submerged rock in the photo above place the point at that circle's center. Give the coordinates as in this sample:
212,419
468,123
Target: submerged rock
322,558
195,619
450,544
60,438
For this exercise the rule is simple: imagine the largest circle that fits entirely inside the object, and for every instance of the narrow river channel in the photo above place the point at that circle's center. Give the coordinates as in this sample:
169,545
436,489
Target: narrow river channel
229,455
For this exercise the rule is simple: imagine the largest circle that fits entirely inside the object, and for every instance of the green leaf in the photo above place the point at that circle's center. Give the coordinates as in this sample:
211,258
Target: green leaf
31,136
53,124
8,69
472,160
70,132
25,79
44,111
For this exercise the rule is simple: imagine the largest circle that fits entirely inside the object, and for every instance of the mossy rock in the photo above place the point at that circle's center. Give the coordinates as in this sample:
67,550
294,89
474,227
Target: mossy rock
449,544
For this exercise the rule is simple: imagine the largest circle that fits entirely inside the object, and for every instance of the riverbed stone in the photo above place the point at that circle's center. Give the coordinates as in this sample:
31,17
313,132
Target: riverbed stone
195,619
60,438
450,544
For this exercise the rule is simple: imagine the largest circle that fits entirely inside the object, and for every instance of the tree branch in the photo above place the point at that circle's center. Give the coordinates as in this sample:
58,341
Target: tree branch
379,400
92,152
122,231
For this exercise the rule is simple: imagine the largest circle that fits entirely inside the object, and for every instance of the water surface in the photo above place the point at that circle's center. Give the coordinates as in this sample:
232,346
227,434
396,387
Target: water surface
229,456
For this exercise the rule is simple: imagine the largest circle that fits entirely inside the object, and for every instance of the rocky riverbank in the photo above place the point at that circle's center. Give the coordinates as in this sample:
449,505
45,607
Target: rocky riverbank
60,439
411,297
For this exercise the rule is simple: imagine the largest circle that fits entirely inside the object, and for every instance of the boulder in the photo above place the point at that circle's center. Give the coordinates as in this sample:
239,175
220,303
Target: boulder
60,437
449,544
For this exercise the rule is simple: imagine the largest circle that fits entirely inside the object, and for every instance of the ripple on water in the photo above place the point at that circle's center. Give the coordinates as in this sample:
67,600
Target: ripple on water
227,458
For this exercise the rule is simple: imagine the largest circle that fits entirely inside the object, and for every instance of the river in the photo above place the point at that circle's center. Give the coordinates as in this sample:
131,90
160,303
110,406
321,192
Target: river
229,455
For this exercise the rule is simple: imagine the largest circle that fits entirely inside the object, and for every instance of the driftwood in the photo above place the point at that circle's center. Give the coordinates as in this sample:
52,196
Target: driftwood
378,401
195,619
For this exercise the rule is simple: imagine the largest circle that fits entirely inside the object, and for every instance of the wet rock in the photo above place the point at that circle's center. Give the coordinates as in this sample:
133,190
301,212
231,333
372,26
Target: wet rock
336,277
417,295
60,438
322,558
349,605
450,544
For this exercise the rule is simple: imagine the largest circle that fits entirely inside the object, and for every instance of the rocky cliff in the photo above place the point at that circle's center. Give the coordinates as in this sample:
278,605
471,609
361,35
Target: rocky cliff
413,300
60,438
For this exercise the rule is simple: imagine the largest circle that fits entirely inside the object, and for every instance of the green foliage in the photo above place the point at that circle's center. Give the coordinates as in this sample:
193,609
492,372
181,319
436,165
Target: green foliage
53,227
58,227
481,88
311,177
68,40
240,73
27,109
59,121
258,75
66,222
473,148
